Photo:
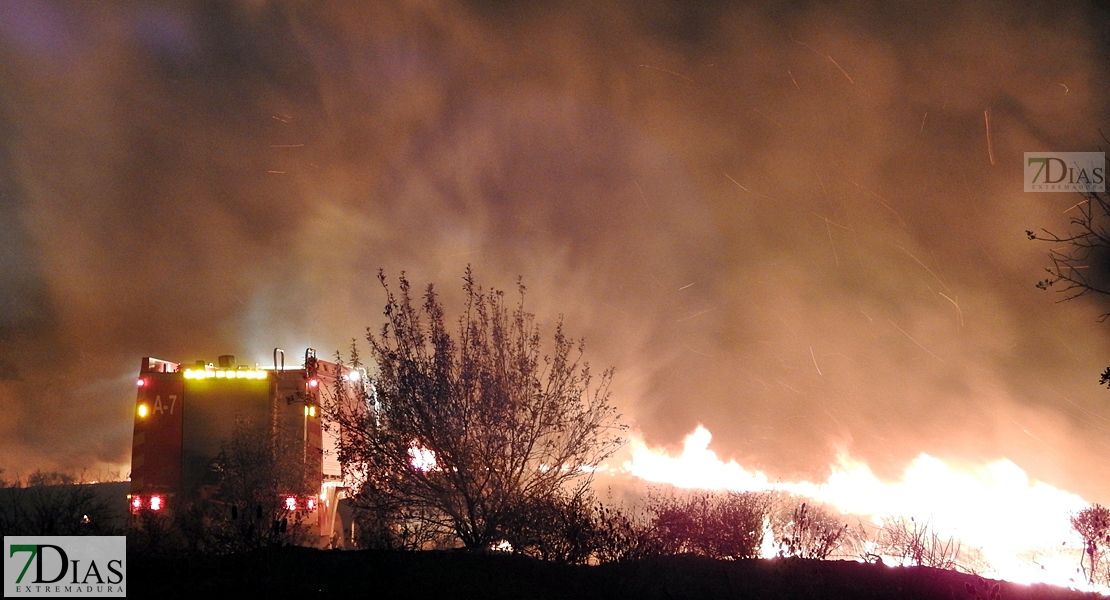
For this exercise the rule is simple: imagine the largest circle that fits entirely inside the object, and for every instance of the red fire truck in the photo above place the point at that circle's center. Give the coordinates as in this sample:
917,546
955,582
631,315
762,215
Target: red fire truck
185,414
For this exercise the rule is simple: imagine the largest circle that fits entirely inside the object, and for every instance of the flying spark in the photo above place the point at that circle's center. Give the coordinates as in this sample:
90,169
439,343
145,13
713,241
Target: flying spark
680,76
915,341
737,183
990,143
927,269
959,313
827,57
697,314
643,198
828,229
762,114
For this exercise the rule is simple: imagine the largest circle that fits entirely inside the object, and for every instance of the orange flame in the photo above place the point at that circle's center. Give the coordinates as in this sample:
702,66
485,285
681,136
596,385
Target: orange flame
1021,526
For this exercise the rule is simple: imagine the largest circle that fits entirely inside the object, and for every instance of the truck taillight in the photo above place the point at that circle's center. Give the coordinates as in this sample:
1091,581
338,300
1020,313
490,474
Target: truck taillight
154,503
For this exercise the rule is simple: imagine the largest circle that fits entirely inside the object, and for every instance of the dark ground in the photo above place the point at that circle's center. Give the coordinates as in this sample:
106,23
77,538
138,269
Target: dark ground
306,573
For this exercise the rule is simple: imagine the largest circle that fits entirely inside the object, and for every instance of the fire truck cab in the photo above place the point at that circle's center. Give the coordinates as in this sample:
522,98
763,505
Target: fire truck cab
185,414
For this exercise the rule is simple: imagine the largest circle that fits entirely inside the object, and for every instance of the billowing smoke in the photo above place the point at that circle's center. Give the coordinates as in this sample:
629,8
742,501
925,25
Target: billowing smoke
797,224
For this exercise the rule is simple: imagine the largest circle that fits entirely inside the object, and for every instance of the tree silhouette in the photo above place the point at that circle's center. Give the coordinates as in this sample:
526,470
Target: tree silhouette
255,472
465,432
1093,525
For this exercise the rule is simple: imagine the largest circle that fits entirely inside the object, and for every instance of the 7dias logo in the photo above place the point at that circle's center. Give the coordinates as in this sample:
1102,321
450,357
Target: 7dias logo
64,566
1083,172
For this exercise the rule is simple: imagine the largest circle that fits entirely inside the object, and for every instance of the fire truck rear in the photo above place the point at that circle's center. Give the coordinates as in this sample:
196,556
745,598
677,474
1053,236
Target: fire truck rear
186,414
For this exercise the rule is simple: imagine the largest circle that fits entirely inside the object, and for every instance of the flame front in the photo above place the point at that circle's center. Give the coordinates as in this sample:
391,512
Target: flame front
1021,526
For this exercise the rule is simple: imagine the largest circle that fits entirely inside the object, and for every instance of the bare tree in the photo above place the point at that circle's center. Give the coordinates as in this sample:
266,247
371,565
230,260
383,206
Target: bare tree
464,431
1093,525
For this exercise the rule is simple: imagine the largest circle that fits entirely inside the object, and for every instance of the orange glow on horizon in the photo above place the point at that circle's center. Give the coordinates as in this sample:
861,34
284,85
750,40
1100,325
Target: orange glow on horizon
1021,525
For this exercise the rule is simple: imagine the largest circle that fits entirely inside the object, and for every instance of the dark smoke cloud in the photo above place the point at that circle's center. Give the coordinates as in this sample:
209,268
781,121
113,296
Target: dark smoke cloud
780,221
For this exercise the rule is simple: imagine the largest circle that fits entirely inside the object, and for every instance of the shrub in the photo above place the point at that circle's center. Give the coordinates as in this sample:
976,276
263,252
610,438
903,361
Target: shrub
812,532
624,533
717,525
914,543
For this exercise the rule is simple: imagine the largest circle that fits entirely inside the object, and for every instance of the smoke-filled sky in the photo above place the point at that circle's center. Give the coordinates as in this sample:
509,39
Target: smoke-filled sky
781,221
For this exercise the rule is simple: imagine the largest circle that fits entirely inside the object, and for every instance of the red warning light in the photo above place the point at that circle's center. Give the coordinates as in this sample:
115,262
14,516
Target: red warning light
136,503
312,383
142,382
156,503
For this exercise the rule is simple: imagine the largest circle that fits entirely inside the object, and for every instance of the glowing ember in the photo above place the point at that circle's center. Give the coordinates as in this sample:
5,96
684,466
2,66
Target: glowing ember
1021,526
422,458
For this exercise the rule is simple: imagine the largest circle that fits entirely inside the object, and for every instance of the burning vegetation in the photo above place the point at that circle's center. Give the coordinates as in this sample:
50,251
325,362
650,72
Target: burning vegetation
489,439
796,223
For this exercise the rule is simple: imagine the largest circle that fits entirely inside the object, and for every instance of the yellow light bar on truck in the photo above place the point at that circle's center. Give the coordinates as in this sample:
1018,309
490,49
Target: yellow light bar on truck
226,374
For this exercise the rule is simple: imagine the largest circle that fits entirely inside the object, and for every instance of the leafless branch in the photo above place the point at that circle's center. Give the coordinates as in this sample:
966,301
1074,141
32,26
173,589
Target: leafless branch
1075,252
